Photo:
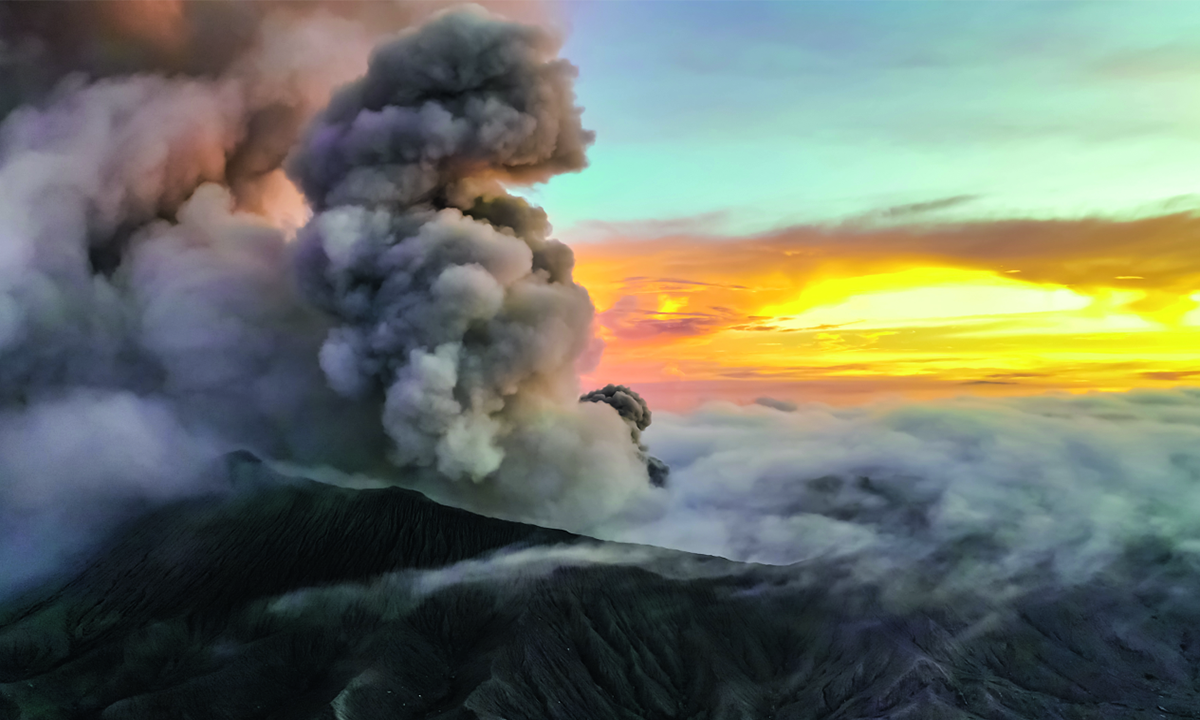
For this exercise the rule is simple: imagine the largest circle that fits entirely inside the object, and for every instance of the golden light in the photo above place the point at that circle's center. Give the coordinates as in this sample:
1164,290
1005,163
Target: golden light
809,316
920,296
671,303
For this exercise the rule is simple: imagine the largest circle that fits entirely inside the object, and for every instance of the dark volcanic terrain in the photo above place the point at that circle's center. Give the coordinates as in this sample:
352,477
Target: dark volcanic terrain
292,599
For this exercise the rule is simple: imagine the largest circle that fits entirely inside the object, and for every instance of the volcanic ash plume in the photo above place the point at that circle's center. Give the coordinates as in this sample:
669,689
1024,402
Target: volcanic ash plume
455,308
148,323
151,314
636,413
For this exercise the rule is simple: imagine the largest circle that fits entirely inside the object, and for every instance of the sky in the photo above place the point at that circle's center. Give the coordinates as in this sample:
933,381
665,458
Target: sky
838,201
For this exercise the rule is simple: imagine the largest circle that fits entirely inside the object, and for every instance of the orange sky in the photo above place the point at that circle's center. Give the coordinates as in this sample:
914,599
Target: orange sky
850,313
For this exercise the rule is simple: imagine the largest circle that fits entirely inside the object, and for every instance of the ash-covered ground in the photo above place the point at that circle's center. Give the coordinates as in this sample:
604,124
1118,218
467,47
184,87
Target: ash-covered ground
294,599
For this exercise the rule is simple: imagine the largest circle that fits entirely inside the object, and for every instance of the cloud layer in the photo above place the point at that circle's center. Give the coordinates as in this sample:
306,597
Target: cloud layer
989,497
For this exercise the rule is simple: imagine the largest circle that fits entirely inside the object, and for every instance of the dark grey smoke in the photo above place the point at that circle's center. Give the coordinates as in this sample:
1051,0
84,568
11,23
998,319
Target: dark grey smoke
454,308
440,113
628,404
634,411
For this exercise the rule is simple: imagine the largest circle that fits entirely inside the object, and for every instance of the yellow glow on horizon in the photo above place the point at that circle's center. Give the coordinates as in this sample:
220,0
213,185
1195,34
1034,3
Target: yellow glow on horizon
1192,317
919,297
671,304
787,323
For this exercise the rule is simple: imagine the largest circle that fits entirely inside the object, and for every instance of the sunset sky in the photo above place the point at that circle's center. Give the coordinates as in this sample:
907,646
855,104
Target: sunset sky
842,201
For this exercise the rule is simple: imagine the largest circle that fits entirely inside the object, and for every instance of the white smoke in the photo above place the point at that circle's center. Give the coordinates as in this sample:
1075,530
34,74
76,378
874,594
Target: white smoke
72,463
146,327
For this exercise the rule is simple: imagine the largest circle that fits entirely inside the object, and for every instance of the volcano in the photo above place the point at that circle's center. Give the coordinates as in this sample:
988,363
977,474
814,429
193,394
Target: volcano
289,598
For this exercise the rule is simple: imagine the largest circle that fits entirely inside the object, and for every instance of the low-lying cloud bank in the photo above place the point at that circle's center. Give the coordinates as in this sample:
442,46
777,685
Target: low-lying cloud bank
992,496
317,601
983,498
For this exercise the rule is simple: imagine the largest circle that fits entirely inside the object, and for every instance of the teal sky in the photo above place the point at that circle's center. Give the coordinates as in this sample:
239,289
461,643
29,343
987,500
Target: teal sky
741,117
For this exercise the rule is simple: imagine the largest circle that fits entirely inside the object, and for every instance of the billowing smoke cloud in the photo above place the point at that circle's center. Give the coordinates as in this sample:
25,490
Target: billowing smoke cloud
455,307
189,341
636,413
628,404
153,305
289,55
991,497
117,273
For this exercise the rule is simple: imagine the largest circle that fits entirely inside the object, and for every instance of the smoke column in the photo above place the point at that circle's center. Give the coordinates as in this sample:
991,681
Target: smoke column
146,325
151,314
636,413
455,308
